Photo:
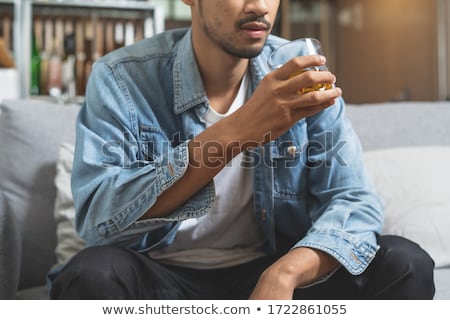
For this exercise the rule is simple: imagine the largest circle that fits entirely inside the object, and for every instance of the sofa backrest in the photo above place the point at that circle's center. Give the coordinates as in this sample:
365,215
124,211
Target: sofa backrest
401,124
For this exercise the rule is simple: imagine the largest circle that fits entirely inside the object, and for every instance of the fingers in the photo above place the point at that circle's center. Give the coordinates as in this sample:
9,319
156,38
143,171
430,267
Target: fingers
297,79
311,81
302,93
317,97
310,103
314,85
296,65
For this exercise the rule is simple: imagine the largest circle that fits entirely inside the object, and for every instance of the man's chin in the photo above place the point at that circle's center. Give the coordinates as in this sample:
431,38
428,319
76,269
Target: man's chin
245,53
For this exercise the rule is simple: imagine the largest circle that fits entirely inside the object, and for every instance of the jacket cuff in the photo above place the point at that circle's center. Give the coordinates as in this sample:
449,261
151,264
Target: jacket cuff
172,167
168,171
354,253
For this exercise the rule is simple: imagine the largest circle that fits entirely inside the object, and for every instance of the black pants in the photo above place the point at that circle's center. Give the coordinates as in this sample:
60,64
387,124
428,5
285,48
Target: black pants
400,270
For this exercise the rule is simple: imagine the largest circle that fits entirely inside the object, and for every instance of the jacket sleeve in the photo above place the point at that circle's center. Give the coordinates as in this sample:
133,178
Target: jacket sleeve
113,182
345,211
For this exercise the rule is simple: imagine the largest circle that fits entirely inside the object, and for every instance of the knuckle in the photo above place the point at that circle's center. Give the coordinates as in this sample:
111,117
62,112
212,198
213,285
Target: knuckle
298,62
315,97
314,60
275,92
310,76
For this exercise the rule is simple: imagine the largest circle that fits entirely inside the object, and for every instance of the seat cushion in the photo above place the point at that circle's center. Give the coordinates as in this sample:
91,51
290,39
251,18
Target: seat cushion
413,185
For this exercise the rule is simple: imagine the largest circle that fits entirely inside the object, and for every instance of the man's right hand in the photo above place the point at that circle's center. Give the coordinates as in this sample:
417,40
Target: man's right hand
276,105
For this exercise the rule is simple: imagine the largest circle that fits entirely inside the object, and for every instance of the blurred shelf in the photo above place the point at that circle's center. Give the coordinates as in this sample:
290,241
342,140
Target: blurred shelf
25,11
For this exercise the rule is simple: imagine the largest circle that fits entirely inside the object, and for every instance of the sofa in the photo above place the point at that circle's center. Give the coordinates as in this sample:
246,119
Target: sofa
406,149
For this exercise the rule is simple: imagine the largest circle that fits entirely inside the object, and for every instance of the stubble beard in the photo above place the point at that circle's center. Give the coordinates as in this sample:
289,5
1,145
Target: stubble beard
227,42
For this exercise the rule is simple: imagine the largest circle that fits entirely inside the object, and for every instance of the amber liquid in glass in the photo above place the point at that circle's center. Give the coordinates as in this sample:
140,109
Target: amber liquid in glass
316,87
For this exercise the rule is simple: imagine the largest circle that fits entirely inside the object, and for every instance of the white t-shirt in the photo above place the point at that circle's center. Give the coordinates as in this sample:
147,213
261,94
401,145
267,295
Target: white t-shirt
228,235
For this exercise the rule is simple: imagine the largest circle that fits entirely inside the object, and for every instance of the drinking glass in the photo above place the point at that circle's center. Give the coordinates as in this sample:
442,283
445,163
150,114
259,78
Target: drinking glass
295,48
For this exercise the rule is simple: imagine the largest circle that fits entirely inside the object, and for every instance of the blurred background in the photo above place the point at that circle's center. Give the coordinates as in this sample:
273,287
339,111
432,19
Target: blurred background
381,50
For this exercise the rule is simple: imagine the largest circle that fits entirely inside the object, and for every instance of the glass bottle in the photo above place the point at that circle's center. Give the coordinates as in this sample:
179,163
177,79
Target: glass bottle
68,68
35,68
88,62
55,83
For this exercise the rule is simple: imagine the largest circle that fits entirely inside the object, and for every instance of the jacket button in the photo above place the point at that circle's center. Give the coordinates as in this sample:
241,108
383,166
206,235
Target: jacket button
263,214
292,150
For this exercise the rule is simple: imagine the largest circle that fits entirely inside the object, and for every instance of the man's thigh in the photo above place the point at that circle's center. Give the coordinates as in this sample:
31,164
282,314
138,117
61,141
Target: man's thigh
109,272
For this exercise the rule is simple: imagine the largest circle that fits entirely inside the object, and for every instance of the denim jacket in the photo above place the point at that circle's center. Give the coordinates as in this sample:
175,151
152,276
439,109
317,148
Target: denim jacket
143,104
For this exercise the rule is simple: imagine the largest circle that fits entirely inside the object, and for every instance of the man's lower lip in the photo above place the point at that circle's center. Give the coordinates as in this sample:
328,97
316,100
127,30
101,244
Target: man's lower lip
256,34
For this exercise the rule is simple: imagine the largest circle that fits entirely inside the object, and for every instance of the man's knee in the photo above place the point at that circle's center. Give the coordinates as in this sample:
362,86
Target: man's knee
94,273
409,265
408,253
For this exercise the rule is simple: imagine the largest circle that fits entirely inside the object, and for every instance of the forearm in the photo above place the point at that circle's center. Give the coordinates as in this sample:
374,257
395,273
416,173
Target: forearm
297,268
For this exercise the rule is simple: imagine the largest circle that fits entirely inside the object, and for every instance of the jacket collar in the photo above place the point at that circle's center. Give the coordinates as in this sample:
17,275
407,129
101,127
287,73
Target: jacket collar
187,82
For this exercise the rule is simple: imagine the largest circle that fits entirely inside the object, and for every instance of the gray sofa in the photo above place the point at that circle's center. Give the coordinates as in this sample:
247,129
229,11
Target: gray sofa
31,196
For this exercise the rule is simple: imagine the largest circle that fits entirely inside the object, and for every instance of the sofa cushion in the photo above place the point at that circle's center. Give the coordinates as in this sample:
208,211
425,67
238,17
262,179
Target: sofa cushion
9,246
413,183
68,241
401,124
30,135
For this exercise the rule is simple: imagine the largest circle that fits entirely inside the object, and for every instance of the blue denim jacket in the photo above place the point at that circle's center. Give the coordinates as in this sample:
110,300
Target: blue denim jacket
142,106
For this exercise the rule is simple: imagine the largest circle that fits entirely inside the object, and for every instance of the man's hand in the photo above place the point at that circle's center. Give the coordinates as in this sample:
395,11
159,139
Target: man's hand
297,268
276,104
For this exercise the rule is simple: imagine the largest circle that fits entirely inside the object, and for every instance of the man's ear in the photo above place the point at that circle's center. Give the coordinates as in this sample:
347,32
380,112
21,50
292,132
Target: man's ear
188,2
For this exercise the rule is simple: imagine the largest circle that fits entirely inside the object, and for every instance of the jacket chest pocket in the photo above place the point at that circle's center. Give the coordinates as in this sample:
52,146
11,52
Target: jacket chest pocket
291,147
289,160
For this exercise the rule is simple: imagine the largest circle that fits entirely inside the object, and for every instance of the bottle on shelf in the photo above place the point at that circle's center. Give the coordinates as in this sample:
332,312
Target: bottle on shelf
47,47
35,82
99,39
109,35
80,55
88,50
55,83
6,28
68,68
119,34
87,68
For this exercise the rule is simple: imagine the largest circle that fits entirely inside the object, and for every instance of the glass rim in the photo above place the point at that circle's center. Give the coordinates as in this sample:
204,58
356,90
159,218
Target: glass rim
316,42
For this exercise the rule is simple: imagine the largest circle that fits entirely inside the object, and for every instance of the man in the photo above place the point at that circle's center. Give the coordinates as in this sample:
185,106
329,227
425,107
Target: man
200,174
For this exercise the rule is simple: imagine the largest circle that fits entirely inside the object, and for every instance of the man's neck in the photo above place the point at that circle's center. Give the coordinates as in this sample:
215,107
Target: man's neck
221,74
